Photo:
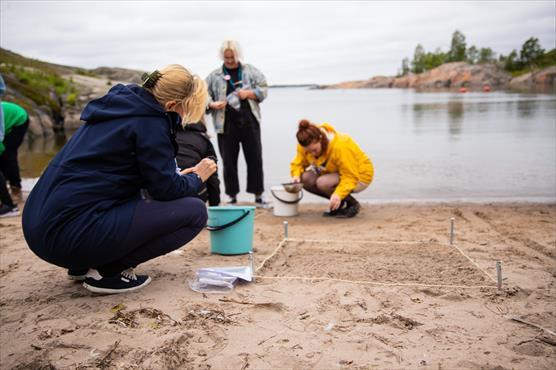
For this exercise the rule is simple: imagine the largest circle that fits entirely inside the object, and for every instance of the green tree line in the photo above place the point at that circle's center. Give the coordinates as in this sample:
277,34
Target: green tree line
532,55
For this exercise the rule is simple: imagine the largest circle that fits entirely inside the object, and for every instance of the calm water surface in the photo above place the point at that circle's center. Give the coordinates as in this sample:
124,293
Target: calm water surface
438,146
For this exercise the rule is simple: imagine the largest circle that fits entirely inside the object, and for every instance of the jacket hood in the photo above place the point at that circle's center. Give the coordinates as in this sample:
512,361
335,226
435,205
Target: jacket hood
122,101
199,126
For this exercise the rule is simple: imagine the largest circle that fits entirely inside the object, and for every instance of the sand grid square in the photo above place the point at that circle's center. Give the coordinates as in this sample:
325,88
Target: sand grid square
426,263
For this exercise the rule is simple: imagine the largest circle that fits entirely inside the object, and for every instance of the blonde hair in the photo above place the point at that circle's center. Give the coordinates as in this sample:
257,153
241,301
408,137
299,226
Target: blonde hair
175,82
234,47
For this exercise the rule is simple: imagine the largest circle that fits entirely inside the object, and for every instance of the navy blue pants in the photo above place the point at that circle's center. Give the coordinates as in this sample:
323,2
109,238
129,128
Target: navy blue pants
157,228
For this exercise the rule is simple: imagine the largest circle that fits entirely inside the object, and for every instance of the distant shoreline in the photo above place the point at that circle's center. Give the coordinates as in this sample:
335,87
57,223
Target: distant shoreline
460,76
279,86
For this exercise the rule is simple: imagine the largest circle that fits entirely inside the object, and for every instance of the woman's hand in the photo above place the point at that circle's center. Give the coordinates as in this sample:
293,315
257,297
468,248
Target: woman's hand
335,202
205,169
296,179
187,170
246,94
217,105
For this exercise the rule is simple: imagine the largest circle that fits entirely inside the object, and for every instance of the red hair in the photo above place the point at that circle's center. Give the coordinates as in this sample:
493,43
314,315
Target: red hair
308,133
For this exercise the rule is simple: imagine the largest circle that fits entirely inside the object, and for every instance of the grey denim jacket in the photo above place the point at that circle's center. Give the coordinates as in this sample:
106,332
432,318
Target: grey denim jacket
217,92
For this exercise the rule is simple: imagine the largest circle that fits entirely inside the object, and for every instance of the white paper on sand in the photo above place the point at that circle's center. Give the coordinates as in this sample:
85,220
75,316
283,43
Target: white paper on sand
220,279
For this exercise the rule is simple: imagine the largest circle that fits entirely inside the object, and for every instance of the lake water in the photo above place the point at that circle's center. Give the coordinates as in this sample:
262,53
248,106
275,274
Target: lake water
440,146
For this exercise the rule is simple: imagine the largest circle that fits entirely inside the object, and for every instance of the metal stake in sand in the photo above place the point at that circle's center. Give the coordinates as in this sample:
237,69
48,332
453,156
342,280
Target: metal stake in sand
499,273
251,262
451,231
286,229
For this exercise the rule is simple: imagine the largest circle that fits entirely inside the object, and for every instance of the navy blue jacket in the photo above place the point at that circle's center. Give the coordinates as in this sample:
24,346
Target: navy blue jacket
88,193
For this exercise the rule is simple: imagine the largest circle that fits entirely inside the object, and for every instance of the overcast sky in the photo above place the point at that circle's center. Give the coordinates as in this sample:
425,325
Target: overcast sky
290,42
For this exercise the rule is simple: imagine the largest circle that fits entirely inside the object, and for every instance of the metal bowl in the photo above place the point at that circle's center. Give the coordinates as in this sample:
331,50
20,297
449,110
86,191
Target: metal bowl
293,187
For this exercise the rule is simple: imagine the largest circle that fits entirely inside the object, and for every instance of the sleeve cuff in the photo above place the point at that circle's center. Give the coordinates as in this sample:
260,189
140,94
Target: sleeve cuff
195,179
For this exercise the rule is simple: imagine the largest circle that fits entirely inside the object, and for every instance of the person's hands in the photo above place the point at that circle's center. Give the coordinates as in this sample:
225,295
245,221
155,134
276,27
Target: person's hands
205,168
187,170
335,202
246,94
296,179
218,104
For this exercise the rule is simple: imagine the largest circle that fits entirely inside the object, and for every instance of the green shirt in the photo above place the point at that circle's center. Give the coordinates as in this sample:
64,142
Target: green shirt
14,116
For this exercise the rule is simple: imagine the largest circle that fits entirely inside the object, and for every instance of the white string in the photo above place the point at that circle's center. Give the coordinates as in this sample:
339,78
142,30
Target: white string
354,241
376,282
285,240
394,242
280,245
474,263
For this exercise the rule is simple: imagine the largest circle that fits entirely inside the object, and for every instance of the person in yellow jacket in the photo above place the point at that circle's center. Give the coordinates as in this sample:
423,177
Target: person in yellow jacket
331,164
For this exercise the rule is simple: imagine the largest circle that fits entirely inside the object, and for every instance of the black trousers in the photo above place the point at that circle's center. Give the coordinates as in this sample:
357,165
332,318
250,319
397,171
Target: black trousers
5,197
248,136
8,160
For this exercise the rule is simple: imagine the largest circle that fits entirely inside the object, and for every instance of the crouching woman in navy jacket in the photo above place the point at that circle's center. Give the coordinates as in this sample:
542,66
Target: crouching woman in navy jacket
86,213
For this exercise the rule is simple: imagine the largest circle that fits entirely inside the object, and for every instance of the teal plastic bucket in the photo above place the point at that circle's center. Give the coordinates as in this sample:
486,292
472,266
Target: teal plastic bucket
231,229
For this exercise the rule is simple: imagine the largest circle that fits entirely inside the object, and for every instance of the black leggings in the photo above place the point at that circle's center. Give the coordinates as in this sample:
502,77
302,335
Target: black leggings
8,160
5,197
157,228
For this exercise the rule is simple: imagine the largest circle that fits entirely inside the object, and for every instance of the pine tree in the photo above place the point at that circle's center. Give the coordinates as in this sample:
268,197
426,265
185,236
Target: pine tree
458,47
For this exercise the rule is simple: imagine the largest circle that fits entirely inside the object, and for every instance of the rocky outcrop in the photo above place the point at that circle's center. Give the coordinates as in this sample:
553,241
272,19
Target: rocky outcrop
89,88
40,124
57,106
544,80
119,74
373,83
457,75
41,121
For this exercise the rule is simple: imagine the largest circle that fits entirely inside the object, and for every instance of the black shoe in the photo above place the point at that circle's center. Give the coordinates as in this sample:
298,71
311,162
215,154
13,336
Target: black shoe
7,211
331,213
16,194
77,275
260,202
126,281
232,200
335,212
349,211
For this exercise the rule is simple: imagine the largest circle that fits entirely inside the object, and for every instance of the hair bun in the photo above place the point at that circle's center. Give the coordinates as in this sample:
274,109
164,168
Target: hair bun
304,124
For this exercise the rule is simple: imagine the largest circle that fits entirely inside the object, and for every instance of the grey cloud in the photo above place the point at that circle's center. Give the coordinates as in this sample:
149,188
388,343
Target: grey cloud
290,42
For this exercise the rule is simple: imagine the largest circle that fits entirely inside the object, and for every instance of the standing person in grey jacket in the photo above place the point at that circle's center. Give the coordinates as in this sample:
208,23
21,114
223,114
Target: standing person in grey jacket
235,91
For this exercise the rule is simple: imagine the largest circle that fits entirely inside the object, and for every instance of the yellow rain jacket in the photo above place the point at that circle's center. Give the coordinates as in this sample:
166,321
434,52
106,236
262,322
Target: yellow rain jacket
343,156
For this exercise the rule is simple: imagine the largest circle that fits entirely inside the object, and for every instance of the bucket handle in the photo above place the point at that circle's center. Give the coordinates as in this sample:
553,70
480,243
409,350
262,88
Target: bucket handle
288,201
225,226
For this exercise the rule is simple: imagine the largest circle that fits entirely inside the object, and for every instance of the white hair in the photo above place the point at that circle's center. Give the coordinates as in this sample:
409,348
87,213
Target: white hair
234,47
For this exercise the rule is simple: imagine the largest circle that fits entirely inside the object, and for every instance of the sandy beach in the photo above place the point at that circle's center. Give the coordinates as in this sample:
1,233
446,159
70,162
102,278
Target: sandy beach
383,290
